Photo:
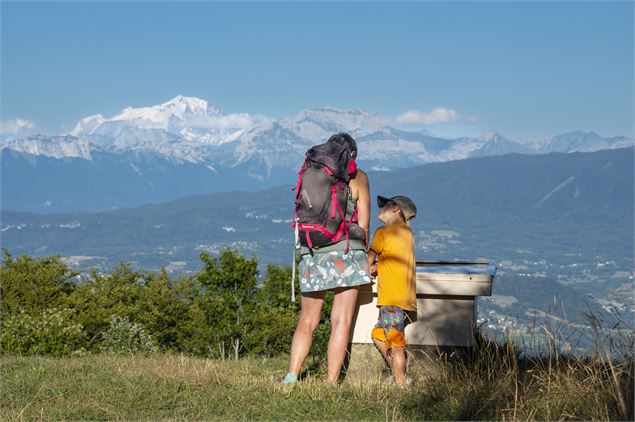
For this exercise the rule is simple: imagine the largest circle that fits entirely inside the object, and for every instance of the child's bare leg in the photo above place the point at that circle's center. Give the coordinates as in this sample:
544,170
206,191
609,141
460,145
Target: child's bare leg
398,364
381,346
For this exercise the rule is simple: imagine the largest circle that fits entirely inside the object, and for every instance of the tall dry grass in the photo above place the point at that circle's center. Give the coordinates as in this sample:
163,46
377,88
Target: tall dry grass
490,381
506,381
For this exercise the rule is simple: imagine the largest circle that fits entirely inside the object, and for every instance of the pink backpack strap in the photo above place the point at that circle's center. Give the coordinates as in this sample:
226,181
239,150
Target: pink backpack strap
298,185
353,218
343,214
352,167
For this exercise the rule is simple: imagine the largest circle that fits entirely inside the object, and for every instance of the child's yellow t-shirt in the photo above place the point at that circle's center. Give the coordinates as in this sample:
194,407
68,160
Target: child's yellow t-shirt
395,247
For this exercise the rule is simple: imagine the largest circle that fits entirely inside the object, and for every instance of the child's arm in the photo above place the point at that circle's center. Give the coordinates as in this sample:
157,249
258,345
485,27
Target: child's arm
372,256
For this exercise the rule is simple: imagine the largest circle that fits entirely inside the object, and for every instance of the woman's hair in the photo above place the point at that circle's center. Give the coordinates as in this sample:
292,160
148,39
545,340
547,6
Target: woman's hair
345,140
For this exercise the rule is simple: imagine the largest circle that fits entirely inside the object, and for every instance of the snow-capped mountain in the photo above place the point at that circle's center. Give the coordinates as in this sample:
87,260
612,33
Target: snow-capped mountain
87,125
181,129
584,142
321,123
174,114
493,143
187,136
189,129
170,116
63,146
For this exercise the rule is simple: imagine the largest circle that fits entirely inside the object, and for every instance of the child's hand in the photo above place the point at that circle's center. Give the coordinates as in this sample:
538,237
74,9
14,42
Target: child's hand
373,270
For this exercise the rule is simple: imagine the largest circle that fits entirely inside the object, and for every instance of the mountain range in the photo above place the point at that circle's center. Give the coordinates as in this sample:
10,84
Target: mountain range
554,208
186,146
559,226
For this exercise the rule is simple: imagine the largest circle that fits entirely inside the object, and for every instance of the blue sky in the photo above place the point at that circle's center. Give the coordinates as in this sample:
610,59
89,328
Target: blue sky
525,69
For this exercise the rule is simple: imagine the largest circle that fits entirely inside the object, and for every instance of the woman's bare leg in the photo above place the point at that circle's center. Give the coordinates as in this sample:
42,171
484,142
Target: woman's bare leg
342,312
311,305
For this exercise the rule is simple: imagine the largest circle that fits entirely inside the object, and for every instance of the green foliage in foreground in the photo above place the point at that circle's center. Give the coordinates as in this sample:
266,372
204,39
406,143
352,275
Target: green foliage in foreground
218,312
222,313
490,384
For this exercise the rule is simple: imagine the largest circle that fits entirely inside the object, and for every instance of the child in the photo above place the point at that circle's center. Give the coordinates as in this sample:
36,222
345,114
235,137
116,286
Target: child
393,245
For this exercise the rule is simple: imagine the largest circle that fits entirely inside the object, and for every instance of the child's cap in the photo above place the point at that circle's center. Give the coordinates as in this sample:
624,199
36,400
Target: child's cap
408,207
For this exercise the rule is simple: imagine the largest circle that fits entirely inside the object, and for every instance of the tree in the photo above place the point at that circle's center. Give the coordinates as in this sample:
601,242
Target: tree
273,322
35,316
34,284
228,299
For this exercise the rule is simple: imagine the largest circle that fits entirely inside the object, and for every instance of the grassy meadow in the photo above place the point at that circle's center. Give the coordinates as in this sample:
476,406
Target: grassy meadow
177,387
136,345
493,384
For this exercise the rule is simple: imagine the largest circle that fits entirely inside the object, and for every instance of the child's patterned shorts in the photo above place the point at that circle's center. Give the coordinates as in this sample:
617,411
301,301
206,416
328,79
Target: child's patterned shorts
390,327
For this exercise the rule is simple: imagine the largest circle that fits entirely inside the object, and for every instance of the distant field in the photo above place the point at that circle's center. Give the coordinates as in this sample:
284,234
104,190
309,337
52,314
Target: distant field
504,301
160,387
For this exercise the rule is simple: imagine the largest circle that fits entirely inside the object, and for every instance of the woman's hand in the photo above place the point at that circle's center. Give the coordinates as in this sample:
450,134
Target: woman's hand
372,264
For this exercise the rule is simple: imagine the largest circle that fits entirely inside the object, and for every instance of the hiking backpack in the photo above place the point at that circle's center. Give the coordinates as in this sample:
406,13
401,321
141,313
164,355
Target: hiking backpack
321,196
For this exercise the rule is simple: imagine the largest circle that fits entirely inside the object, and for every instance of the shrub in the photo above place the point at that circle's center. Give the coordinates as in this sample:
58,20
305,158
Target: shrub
274,318
52,331
123,336
221,311
34,284
227,301
164,309
104,295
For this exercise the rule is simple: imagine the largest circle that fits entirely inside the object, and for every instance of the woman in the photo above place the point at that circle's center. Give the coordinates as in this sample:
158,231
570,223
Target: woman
329,268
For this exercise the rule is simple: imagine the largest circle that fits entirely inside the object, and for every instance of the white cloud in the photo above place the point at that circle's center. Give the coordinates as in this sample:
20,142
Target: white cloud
437,116
16,126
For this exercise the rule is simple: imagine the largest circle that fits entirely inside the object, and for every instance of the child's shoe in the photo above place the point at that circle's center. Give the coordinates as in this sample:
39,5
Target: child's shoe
406,381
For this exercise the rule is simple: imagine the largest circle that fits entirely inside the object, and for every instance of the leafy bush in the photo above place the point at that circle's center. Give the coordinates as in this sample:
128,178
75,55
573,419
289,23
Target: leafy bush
220,312
228,301
162,305
34,284
51,331
274,317
123,336
101,296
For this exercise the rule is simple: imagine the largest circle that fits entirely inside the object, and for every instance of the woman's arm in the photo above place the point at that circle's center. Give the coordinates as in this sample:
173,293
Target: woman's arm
363,202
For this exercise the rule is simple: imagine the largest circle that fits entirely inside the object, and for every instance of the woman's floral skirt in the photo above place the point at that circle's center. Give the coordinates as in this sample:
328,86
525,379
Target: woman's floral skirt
328,270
